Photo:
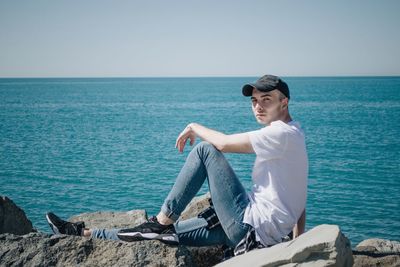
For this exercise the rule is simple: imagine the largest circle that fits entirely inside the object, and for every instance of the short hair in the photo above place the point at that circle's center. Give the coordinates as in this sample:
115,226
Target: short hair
282,96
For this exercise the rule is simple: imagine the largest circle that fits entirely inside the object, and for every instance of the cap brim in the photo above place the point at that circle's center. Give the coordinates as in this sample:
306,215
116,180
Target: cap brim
247,89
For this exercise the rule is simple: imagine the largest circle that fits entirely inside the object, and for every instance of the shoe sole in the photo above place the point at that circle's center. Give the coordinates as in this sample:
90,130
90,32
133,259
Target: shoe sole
138,236
52,226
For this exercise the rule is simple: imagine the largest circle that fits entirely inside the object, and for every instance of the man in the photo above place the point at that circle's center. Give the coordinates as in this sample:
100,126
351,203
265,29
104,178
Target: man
274,207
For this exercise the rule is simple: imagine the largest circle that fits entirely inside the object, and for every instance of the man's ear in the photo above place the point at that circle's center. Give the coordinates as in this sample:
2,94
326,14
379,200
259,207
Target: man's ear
285,103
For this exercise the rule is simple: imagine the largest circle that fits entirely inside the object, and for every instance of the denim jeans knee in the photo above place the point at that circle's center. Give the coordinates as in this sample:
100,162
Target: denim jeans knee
205,146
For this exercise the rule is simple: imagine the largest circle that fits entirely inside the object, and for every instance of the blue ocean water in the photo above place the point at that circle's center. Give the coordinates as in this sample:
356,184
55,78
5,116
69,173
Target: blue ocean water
81,145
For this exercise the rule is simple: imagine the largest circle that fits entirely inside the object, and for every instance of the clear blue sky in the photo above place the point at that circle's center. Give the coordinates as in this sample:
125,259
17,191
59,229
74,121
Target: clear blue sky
198,38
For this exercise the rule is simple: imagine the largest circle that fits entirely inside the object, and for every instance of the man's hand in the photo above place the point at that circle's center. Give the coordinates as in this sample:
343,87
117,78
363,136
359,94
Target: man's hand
186,134
299,228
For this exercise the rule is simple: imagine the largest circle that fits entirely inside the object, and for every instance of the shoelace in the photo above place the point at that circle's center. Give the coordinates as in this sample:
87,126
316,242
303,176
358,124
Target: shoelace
153,219
167,229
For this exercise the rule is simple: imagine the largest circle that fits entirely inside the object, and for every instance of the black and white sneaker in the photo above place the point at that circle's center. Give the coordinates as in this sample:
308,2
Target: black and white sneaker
59,226
150,230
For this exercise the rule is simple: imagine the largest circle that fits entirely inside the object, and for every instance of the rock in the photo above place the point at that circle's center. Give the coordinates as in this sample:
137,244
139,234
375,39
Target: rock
37,249
206,256
110,219
379,245
12,218
201,256
377,252
324,245
195,206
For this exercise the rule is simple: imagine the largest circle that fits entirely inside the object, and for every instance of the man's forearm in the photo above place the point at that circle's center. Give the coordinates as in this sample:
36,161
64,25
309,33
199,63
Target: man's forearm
213,137
232,143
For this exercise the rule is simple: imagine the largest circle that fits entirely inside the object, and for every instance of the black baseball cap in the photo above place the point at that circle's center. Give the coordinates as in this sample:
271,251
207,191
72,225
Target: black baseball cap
265,84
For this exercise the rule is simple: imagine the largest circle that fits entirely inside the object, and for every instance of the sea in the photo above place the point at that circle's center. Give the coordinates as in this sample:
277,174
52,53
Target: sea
75,145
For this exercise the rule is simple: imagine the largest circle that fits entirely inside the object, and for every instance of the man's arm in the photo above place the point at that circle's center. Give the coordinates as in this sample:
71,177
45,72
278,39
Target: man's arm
300,226
234,143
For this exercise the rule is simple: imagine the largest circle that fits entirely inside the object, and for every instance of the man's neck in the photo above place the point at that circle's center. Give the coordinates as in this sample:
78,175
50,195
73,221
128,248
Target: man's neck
285,117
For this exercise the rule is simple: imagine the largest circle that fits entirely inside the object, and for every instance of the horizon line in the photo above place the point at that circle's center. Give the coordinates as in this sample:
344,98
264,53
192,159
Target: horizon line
197,76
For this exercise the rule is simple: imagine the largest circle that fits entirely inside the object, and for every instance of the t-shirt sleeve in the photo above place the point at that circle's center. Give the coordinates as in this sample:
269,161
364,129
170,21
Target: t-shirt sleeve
268,142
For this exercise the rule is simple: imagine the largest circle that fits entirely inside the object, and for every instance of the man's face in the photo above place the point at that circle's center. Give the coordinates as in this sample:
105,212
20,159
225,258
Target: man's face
268,106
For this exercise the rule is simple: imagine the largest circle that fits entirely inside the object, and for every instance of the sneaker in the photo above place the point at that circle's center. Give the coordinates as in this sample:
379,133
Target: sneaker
150,230
60,226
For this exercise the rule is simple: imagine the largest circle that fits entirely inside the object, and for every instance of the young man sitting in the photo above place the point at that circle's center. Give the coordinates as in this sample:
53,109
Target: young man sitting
274,207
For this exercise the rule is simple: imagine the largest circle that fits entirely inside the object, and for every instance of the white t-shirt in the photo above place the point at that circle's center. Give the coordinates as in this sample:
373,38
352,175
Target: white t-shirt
280,171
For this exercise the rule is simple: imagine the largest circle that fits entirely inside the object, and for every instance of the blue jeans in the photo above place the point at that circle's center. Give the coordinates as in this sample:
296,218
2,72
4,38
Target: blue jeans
227,193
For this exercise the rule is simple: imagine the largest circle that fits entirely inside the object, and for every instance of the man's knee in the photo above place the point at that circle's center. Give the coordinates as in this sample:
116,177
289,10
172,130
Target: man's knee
205,146
206,150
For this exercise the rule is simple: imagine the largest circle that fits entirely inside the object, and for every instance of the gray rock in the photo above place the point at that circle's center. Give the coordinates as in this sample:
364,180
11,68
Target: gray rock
377,252
324,245
12,218
37,249
200,256
110,219
380,245
195,206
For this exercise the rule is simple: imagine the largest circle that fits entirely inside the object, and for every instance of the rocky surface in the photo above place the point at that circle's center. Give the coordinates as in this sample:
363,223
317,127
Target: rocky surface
200,256
379,246
195,206
38,249
105,219
377,252
13,219
111,219
324,245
